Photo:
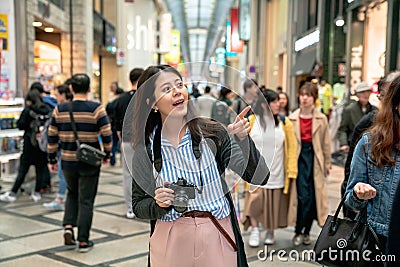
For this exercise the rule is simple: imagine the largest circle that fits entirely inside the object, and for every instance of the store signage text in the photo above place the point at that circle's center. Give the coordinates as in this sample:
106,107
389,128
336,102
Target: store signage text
139,35
356,66
142,37
306,41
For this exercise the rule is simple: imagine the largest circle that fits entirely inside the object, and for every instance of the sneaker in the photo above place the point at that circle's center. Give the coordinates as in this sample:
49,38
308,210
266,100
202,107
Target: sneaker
69,239
269,238
130,214
8,197
307,240
85,246
36,196
54,205
254,239
297,240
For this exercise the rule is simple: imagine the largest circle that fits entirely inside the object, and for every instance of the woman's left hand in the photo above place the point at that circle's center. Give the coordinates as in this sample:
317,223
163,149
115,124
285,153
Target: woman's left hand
241,125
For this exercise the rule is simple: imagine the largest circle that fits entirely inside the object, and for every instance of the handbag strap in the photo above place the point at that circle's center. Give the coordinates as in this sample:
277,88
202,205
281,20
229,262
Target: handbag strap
73,125
361,218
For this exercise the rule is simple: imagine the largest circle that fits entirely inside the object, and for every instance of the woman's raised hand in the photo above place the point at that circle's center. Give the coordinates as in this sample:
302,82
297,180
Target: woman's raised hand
241,125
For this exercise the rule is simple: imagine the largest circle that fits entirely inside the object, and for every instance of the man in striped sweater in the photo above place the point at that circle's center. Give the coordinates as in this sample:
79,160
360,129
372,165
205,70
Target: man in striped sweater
82,179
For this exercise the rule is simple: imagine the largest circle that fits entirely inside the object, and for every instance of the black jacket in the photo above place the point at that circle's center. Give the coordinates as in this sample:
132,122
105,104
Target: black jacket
120,105
359,129
351,115
241,156
24,123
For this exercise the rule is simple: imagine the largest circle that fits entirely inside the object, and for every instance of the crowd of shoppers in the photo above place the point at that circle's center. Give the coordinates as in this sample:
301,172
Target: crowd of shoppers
290,191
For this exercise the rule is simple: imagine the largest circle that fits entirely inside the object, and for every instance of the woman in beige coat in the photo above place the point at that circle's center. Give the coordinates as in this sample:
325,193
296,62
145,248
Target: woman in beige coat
314,161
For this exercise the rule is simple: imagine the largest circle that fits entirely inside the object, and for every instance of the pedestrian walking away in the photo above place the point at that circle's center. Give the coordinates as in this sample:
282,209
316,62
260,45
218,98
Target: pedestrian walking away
120,106
82,179
31,153
63,94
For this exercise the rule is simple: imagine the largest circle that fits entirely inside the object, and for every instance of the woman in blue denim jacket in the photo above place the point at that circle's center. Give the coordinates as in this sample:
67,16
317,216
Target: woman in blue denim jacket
375,168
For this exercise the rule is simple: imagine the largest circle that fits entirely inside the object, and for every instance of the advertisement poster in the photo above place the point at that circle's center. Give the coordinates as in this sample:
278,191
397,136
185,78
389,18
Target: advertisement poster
4,31
47,63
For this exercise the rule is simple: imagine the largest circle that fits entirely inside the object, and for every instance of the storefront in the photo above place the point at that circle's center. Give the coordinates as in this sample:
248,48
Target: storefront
370,44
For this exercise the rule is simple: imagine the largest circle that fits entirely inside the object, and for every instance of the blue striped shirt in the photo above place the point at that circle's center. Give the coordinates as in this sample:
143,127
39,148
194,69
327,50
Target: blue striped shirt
180,162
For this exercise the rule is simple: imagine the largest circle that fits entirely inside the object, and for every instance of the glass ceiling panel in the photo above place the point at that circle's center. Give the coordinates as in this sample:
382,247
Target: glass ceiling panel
199,20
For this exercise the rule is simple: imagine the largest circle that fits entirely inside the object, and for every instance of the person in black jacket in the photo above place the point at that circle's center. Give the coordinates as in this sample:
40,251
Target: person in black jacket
178,162
110,109
120,106
31,154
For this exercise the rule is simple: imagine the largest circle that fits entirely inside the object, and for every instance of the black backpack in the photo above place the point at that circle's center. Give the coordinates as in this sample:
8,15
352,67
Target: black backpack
39,127
221,112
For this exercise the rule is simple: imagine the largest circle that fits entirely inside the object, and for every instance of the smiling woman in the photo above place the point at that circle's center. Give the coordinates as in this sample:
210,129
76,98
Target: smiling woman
178,166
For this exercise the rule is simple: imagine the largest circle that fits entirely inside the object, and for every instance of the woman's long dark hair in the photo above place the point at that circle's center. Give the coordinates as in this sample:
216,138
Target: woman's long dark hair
146,118
287,103
34,97
385,131
270,96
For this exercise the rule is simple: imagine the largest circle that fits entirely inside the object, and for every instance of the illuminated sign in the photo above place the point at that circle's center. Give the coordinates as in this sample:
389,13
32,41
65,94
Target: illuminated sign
244,20
237,45
307,41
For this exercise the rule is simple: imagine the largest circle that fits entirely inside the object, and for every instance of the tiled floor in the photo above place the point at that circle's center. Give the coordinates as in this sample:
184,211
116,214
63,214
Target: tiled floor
31,236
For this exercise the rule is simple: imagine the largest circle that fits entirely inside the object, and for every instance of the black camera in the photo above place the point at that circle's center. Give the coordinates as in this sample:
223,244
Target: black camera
183,191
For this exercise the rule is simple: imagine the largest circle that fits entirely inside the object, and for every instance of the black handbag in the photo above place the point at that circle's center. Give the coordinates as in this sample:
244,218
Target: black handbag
345,242
85,153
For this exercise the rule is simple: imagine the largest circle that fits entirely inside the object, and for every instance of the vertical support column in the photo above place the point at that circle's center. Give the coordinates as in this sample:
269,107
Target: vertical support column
392,38
21,47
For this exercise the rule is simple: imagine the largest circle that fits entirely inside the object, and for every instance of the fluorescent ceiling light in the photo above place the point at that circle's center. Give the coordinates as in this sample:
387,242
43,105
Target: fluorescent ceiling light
37,24
306,41
49,29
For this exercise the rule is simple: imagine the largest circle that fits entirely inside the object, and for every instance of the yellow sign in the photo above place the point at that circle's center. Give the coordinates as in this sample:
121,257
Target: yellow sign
174,55
4,31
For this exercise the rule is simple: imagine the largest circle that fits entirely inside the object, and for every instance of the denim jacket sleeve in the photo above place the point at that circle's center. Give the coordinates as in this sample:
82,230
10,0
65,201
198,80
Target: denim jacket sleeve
358,174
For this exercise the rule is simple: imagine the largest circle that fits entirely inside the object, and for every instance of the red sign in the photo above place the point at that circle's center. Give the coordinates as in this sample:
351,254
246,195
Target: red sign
236,44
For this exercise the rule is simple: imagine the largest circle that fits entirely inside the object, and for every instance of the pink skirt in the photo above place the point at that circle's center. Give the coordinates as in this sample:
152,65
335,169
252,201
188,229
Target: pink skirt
191,242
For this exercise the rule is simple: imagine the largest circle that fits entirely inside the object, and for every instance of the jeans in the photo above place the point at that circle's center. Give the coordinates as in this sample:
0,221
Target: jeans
115,147
127,183
82,190
306,207
62,185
